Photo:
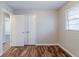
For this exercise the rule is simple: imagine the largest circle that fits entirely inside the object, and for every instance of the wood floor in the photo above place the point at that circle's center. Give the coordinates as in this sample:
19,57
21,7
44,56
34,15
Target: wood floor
36,51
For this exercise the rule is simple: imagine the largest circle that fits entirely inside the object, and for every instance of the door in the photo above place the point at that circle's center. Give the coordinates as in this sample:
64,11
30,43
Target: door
19,30
30,30
24,30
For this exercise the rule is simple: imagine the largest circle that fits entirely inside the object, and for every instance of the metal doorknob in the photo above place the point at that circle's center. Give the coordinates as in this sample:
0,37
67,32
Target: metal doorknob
23,32
27,32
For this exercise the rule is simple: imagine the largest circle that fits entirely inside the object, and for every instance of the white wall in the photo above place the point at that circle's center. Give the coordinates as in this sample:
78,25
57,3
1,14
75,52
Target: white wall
68,39
46,22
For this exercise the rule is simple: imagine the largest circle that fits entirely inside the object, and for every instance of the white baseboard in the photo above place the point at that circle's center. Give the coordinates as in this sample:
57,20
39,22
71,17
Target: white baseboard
43,44
66,50
46,44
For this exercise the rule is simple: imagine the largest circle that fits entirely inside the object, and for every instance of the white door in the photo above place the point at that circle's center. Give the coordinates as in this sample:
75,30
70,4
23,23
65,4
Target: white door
24,30
19,29
30,30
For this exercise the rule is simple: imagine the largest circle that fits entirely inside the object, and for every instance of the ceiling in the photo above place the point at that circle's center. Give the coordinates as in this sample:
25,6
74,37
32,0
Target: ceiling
35,5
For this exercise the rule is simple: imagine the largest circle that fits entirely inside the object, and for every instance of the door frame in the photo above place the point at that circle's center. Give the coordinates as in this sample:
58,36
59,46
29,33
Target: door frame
3,23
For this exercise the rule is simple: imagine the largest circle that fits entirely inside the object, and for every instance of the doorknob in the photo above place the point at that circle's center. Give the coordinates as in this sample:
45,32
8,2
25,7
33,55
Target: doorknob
23,32
27,32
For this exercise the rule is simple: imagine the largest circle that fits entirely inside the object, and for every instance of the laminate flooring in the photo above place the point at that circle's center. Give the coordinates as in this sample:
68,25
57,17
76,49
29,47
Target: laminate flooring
35,51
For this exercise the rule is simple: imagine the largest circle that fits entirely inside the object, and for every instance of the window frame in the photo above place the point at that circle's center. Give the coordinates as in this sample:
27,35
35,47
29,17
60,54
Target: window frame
67,20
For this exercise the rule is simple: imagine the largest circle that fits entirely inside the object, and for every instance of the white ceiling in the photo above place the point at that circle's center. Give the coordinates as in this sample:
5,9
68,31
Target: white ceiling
35,5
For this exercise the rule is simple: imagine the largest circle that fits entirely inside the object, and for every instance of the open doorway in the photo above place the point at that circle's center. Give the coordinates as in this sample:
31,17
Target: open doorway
6,31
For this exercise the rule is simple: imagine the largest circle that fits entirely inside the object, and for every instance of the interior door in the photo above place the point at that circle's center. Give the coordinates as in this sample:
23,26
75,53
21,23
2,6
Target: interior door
26,40
24,30
30,30
19,30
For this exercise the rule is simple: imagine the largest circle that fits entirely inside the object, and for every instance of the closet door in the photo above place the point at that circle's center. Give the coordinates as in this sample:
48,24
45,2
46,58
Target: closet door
26,40
19,30
31,32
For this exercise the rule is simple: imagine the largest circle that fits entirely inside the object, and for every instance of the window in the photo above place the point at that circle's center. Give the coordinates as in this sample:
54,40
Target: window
72,19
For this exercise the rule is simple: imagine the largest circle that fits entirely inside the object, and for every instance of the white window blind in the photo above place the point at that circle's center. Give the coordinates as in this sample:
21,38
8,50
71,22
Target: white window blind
72,19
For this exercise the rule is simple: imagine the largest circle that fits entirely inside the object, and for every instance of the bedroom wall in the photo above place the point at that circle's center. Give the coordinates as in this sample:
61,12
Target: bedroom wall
46,22
68,39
